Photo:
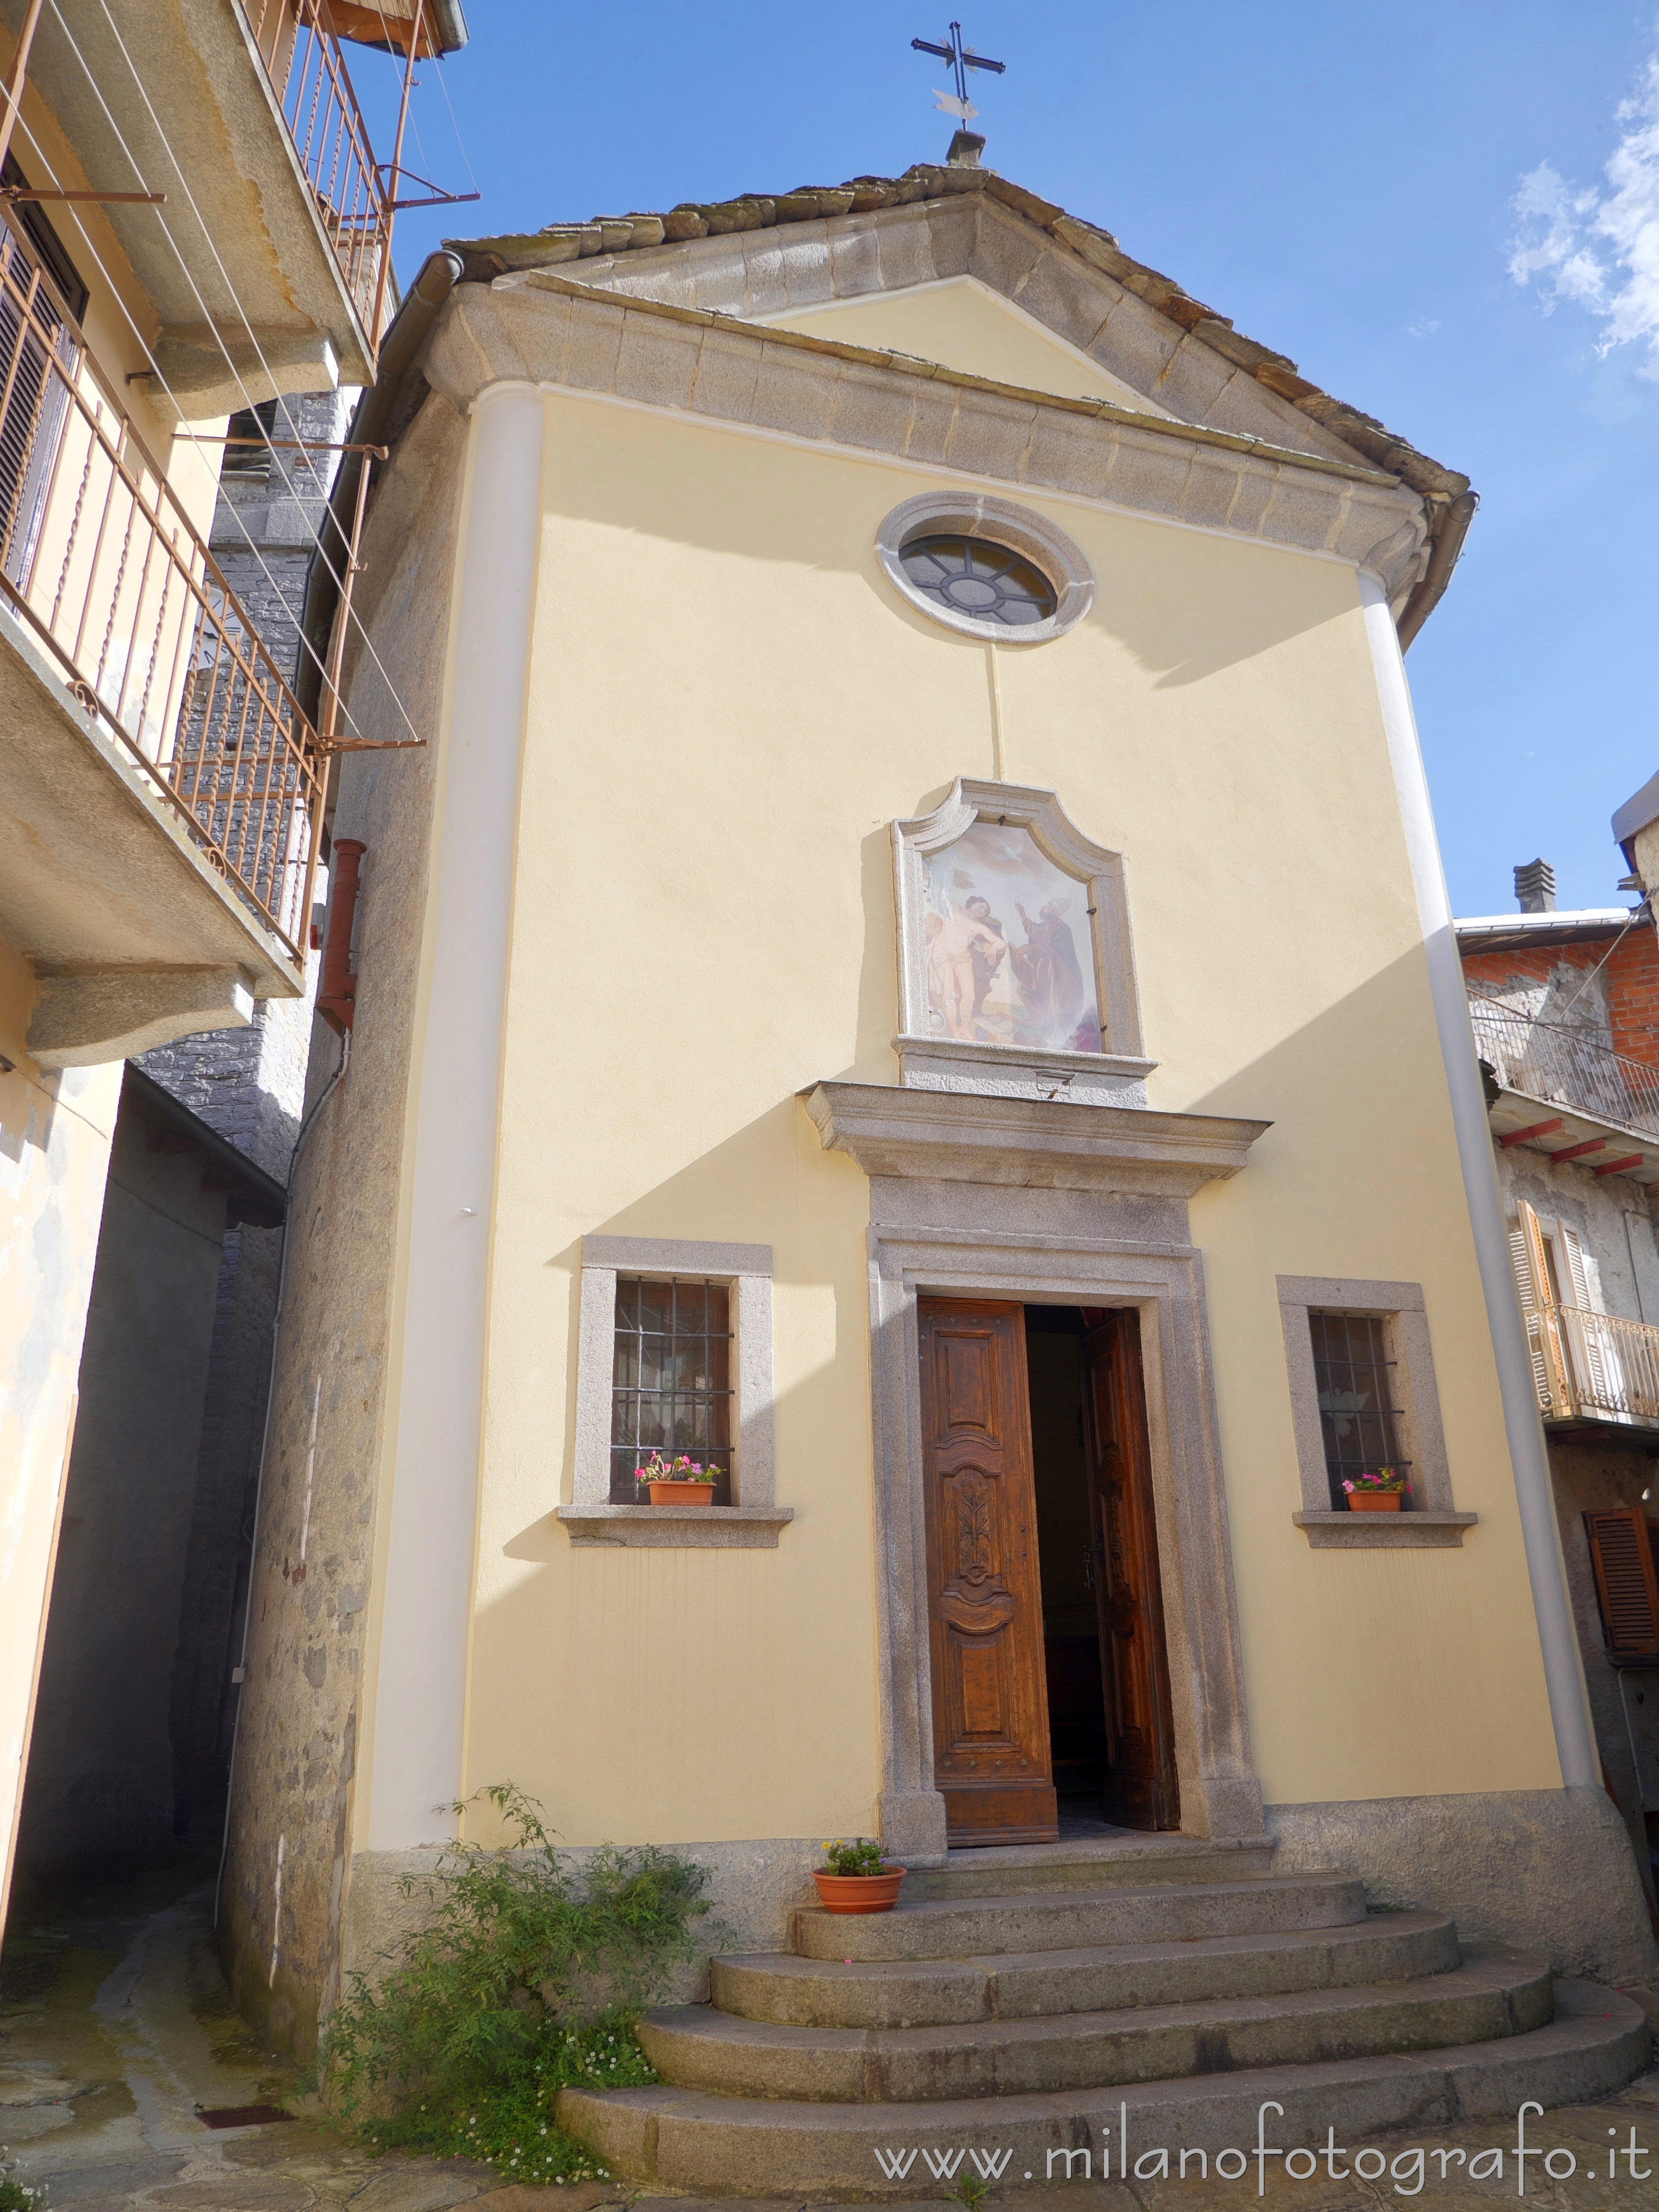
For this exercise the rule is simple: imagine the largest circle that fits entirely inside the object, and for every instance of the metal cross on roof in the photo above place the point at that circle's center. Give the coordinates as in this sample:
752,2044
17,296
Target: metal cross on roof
962,58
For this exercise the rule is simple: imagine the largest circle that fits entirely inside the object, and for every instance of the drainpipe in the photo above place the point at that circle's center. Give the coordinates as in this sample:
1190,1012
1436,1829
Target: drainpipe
1451,527
1558,1638
336,990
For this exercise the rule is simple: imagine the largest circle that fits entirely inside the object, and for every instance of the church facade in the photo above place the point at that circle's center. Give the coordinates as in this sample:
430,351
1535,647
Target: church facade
912,976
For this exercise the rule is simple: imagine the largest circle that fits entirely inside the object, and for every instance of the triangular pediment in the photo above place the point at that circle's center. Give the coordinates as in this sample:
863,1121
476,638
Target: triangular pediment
960,323
888,257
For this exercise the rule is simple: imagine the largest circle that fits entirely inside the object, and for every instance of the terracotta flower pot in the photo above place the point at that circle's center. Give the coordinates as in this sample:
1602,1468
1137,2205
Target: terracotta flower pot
860,1893
1375,1501
681,1493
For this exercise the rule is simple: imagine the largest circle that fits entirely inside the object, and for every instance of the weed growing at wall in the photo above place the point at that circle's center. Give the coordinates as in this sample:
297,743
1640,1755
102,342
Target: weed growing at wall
524,1980
16,2196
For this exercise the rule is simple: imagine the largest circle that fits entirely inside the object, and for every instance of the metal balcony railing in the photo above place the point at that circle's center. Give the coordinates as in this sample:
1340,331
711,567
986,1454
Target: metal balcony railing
1566,1067
103,567
303,56
1593,1365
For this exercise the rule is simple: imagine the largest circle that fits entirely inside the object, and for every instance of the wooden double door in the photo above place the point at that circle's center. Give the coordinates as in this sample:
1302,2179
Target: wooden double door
991,1748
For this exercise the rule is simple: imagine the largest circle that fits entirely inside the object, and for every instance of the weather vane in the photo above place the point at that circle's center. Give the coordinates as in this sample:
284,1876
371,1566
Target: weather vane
962,58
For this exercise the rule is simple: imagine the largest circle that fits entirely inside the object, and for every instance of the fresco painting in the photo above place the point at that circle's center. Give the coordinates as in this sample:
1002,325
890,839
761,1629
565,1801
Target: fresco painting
1008,945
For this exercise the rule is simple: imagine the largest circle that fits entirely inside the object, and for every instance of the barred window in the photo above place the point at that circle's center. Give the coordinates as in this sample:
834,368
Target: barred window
672,1380
1358,1413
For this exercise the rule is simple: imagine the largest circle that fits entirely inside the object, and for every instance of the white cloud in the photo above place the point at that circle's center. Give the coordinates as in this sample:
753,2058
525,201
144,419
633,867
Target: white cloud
1597,249
1425,329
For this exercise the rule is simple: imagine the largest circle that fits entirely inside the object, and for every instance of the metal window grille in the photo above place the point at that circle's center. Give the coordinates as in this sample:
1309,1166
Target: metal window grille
1354,1377
672,1380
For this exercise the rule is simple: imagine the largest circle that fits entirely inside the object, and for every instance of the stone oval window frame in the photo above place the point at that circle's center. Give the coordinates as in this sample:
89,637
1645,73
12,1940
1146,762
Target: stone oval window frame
1001,522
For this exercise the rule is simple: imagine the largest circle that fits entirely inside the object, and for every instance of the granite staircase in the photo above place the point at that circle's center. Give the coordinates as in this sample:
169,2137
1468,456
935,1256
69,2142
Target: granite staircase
1037,2001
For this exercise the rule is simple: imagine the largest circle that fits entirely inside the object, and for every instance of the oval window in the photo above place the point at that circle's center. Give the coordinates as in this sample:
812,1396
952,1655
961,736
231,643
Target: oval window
978,578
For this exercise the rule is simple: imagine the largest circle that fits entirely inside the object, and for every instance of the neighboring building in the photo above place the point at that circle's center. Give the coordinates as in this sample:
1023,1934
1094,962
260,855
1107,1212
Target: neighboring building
161,790
916,972
1565,1012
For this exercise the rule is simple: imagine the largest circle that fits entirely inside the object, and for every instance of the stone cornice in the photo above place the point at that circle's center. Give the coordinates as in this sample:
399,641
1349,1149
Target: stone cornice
969,1137
553,332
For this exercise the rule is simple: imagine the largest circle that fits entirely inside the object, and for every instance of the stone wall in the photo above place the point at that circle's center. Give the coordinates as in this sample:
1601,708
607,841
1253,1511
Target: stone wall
290,1837
1611,990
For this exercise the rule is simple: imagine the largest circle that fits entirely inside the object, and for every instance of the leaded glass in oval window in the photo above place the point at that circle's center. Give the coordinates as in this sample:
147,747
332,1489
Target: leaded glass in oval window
976,577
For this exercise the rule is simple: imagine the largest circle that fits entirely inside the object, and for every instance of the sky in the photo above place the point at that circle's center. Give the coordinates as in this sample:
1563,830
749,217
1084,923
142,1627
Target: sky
1447,214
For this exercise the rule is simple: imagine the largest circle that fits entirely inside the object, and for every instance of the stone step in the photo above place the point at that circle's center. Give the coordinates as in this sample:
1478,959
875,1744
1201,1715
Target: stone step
1495,1992
1095,1862
971,1927
685,2139
1392,1947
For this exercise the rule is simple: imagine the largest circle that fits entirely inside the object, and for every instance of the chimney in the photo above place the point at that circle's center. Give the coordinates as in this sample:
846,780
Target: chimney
1535,887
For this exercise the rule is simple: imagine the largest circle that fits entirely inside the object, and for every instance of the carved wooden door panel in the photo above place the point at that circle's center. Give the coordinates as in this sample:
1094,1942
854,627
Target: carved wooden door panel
1142,1791
984,1593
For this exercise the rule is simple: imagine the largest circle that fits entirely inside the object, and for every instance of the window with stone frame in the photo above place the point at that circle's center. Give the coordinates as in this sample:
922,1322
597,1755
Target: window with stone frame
1358,1414
671,1389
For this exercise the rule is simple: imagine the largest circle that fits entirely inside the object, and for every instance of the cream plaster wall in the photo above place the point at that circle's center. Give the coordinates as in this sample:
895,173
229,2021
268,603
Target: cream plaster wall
55,1133
704,925
962,323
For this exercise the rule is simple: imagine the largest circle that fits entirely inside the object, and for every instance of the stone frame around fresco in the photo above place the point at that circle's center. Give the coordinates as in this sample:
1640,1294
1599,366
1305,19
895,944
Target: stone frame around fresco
1116,1076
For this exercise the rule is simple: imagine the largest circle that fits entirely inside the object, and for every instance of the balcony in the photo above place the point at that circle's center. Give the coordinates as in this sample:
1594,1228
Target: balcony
273,244
1564,1092
1594,1367
160,788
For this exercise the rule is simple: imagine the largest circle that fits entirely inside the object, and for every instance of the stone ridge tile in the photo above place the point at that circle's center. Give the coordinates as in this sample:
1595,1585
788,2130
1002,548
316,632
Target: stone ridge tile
806,264
905,251
765,291
1142,476
932,415
1301,514
1068,296
871,410
593,347
854,257
656,360
1238,407
1211,488
1252,498
1193,380
728,369
1366,529
952,228
1071,454
794,392
992,436
1004,254
1134,344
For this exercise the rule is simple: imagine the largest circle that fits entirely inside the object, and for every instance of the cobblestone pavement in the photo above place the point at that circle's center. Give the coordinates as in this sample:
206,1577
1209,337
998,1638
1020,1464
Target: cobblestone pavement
116,2032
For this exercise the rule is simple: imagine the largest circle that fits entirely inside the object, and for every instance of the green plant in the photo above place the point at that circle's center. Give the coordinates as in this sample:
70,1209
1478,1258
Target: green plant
969,2192
17,2195
859,1856
525,1980
683,1470
1385,1478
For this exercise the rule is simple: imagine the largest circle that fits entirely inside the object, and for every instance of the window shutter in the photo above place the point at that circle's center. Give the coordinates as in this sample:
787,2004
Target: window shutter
1627,1586
1600,1377
1532,1287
